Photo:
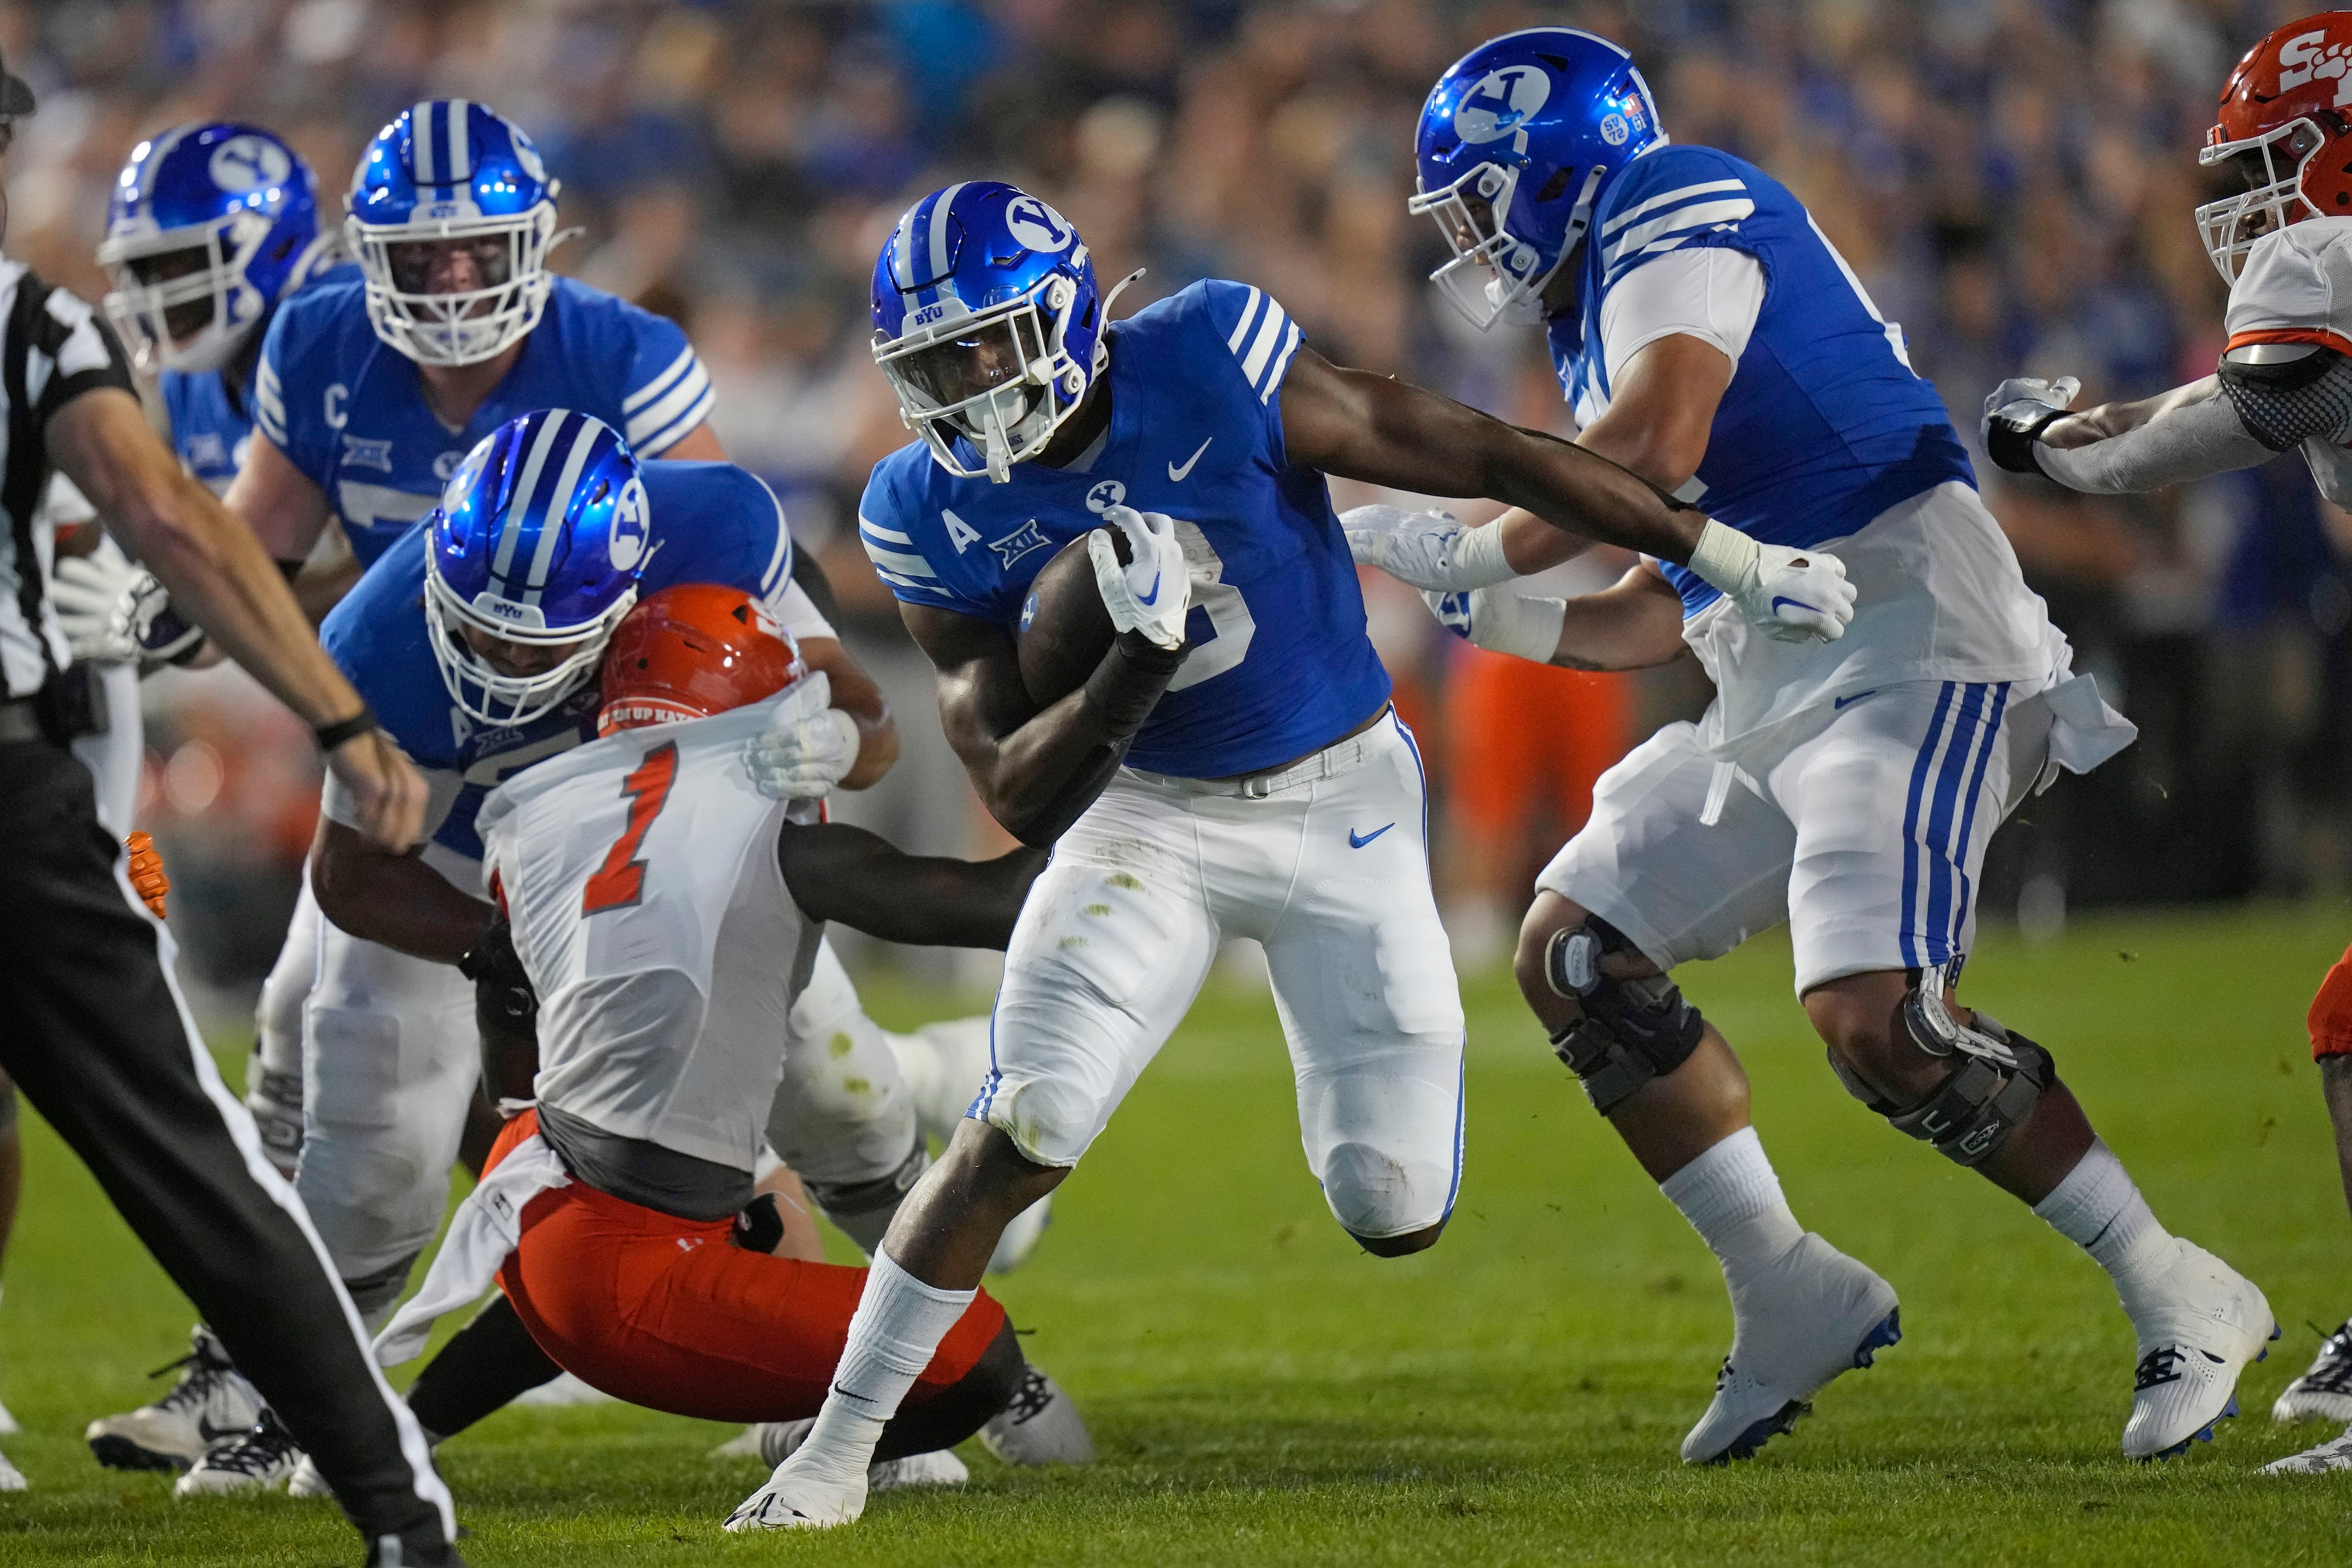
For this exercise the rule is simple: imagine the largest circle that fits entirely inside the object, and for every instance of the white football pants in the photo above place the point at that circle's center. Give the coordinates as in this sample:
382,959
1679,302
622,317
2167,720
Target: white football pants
1326,863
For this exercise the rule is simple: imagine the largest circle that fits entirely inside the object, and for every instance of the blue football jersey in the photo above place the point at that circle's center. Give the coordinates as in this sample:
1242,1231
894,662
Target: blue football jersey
210,428
350,411
1281,665
1824,424
711,522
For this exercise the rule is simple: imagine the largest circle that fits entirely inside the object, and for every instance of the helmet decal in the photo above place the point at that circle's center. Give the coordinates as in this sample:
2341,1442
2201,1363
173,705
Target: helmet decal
1501,102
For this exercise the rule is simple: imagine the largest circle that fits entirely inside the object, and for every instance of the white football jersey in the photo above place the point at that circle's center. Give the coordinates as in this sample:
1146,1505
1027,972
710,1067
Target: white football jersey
639,874
2296,288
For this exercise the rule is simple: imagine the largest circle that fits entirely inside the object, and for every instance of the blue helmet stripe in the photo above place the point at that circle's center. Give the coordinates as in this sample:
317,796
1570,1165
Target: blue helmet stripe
559,504
518,497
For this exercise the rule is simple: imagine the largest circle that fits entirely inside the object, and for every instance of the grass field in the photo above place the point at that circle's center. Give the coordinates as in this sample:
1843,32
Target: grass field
1262,1391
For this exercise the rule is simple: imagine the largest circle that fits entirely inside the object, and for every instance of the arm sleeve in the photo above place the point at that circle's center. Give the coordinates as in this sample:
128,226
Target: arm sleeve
1713,294
668,393
2189,442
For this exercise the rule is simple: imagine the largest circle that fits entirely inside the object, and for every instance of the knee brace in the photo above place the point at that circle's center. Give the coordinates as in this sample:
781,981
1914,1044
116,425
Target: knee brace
1997,1074
1631,1030
863,1211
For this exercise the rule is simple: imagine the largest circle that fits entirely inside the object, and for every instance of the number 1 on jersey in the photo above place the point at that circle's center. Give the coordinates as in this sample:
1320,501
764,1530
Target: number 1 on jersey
620,881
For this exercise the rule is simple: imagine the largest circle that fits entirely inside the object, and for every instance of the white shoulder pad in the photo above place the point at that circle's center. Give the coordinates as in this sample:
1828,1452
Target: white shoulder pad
2296,286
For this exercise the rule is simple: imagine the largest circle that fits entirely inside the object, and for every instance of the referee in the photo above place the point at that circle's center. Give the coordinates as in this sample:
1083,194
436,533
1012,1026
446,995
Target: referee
91,1027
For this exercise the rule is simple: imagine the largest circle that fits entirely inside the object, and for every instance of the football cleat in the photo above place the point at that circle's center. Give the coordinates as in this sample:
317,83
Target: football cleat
212,1401
9,1427
937,1469
1797,1322
1041,1426
307,1481
2335,1454
798,1501
11,1477
773,1442
261,1459
2199,1325
2325,1391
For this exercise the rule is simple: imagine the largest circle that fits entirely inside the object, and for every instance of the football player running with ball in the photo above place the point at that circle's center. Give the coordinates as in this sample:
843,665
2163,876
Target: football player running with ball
2284,244
1230,767
1713,341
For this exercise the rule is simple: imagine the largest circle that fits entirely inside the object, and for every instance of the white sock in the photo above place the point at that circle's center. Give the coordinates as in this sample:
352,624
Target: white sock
1733,1200
896,1331
2098,1208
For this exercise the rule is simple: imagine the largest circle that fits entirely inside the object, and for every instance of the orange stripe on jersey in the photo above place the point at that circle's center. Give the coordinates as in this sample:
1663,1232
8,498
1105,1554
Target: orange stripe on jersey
2291,335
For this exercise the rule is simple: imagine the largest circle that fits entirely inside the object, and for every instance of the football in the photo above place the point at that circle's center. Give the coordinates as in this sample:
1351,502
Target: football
1065,629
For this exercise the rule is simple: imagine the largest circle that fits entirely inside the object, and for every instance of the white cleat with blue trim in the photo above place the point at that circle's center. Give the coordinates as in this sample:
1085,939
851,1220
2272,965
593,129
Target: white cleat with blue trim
2200,1323
1799,1320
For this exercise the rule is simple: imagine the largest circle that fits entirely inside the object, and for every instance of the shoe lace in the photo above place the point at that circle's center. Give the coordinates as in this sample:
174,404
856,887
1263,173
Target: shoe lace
1723,1375
2332,1371
1032,1397
2161,1365
261,1449
205,1371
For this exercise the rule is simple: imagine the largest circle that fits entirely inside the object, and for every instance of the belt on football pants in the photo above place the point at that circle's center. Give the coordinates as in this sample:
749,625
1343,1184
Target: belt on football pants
1339,757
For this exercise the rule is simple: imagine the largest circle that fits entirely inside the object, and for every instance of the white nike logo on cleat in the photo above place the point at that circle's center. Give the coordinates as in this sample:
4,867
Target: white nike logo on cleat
1176,474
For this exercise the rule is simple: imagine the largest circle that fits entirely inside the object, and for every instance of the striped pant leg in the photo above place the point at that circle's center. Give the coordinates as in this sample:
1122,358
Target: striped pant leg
95,1032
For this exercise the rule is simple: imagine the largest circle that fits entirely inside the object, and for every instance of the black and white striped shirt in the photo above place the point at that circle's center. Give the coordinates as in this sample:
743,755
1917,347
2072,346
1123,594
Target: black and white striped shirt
53,349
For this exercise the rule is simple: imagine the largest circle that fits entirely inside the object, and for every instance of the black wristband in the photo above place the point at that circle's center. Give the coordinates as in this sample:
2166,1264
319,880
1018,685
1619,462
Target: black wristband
1131,680
2013,446
330,736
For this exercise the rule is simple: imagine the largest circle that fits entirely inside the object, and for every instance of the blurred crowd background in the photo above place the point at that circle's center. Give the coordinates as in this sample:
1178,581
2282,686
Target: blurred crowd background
2011,179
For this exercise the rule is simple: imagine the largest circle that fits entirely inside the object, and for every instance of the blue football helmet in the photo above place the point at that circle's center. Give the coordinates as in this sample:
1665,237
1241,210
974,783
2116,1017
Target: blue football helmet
539,541
450,171
987,323
209,226
1516,143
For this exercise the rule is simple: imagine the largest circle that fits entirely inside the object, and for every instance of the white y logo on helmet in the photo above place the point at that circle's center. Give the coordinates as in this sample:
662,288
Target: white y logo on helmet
626,544
1500,103
1038,225
245,163
2300,60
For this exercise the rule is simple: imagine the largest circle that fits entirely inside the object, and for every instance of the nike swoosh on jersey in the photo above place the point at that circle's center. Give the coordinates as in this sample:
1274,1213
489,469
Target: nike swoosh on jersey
1856,698
1358,840
1178,476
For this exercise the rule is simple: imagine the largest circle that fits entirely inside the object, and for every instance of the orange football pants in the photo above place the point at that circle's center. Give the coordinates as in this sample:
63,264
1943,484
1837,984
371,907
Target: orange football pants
667,1314
1518,730
2331,1011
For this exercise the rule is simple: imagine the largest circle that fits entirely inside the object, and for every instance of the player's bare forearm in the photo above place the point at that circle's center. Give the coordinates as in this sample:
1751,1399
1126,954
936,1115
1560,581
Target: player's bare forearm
2112,418
217,571
1635,623
1387,431
393,899
856,693
839,873
285,511
1023,762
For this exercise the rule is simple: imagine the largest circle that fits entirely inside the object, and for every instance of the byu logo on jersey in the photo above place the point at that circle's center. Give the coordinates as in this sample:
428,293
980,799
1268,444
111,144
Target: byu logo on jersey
1105,496
1501,100
1018,543
249,163
626,542
1038,227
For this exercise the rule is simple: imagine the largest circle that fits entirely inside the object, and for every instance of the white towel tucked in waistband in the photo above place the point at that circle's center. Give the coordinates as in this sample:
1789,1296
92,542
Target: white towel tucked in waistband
482,1235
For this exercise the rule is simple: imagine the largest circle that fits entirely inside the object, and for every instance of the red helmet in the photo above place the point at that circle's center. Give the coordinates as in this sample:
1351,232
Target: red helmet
692,651
2284,122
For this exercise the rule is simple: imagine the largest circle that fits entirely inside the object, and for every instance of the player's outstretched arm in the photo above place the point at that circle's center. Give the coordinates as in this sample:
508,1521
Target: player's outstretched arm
1035,771
221,580
1388,432
839,873
2208,426
394,899
1632,624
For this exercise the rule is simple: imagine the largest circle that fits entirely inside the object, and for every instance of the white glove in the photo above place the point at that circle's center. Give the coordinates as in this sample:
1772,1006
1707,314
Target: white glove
1426,549
98,600
803,755
2016,415
1795,595
1151,592
1502,621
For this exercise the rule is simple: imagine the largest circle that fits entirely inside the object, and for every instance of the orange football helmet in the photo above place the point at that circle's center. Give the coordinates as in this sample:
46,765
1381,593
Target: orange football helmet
2283,124
692,651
